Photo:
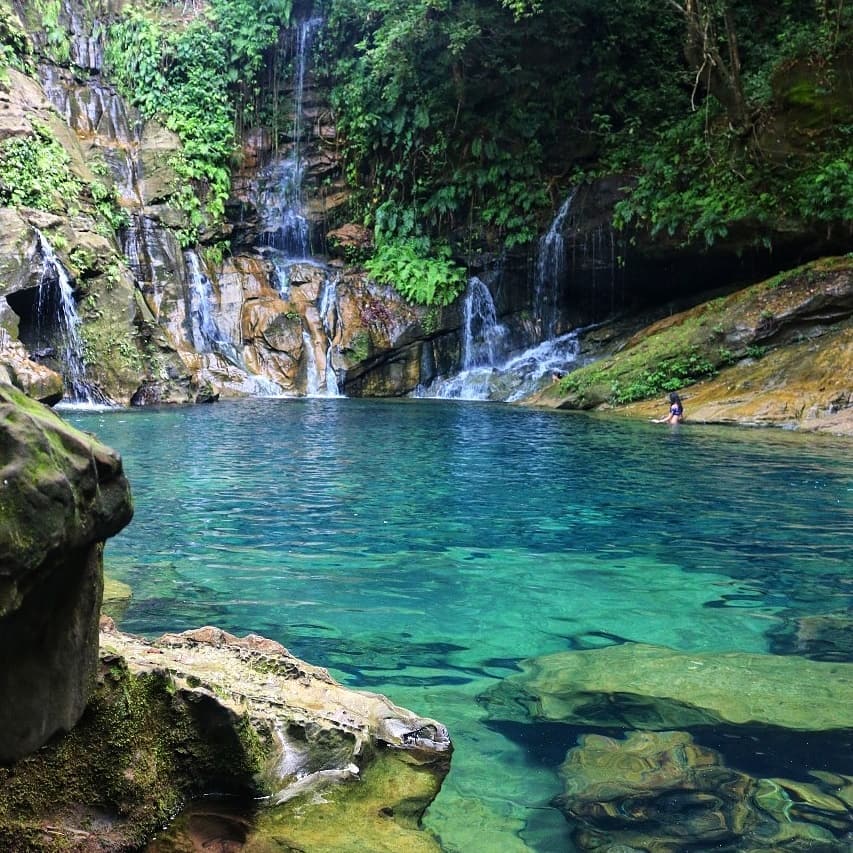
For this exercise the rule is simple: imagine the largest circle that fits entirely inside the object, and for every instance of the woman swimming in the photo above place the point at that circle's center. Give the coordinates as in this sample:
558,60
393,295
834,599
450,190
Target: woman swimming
676,411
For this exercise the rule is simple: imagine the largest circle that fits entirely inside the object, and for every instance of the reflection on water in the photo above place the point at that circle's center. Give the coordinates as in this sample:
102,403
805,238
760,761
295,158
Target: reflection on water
423,548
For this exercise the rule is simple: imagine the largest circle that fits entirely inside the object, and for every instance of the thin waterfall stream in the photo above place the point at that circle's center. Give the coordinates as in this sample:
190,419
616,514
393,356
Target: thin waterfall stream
58,326
286,232
550,271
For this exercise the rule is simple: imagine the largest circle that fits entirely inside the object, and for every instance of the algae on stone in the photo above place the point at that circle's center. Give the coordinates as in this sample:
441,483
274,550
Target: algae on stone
661,791
205,712
655,688
61,495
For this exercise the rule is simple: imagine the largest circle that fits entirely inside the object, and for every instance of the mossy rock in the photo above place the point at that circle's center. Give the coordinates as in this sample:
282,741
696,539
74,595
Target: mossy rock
672,353
655,688
61,495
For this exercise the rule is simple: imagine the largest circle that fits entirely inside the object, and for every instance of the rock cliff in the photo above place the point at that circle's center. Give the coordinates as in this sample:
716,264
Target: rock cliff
777,353
61,495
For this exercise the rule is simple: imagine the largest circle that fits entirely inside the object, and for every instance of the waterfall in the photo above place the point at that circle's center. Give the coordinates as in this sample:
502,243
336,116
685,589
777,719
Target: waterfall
312,384
281,202
57,319
488,371
550,269
482,335
329,319
285,237
205,331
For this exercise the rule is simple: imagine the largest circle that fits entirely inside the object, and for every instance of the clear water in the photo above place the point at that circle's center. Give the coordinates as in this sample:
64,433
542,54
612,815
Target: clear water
422,548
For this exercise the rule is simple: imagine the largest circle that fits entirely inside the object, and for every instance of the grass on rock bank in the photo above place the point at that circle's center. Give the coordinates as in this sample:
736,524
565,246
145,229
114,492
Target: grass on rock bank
696,344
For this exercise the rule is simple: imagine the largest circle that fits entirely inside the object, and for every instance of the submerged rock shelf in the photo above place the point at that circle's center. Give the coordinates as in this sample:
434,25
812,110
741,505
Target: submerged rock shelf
655,787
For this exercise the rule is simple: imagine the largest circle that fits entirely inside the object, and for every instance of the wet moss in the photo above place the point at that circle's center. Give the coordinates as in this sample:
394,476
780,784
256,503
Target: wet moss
140,751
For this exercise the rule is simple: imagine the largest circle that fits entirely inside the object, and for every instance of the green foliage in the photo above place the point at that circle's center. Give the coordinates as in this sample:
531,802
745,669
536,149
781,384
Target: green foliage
359,348
459,112
35,172
106,201
696,186
422,273
670,374
216,253
15,47
194,79
57,43
702,179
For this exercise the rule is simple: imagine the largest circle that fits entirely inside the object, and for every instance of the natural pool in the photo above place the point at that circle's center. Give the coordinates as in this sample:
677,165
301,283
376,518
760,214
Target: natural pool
422,548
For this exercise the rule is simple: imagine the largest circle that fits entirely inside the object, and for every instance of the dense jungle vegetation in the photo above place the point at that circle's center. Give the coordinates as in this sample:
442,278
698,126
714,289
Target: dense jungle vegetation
462,123
469,120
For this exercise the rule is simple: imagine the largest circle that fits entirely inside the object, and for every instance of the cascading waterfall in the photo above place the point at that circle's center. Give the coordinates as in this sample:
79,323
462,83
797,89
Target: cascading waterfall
329,319
483,336
206,334
57,320
286,233
488,373
312,383
483,344
550,270
281,201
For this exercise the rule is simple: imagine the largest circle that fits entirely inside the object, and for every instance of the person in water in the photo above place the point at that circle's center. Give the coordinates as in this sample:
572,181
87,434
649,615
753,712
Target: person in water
676,411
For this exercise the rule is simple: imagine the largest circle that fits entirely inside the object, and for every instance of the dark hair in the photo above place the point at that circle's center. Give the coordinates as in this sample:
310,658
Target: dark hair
674,398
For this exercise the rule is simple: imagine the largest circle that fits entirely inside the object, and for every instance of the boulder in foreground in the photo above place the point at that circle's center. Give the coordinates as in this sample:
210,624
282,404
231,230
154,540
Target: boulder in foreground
61,495
204,712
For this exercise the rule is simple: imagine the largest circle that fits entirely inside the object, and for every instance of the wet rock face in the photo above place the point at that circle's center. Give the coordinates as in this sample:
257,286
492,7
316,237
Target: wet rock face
35,380
61,495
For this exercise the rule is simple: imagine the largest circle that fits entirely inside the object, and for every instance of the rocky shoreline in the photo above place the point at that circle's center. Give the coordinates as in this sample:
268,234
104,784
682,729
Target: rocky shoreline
106,737
778,353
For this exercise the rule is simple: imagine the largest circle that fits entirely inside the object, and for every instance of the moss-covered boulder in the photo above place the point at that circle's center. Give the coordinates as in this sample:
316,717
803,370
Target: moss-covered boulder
61,495
655,688
325,768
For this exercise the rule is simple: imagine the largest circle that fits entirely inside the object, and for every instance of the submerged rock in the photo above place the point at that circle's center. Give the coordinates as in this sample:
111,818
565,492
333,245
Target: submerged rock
61,495
822,637
655,688
660,791
116,598
204,712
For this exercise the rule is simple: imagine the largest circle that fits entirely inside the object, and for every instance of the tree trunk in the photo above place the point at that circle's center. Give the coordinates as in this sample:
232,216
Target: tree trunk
718,75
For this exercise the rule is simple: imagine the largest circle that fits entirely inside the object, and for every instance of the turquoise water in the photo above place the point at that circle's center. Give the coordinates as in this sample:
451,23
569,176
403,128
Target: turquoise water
422,548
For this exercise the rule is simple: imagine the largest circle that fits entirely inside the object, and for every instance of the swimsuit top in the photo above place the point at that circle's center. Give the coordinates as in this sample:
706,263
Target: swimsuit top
676,409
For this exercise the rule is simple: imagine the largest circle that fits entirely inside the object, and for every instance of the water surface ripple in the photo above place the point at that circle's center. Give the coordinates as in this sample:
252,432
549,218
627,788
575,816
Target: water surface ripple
423,548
